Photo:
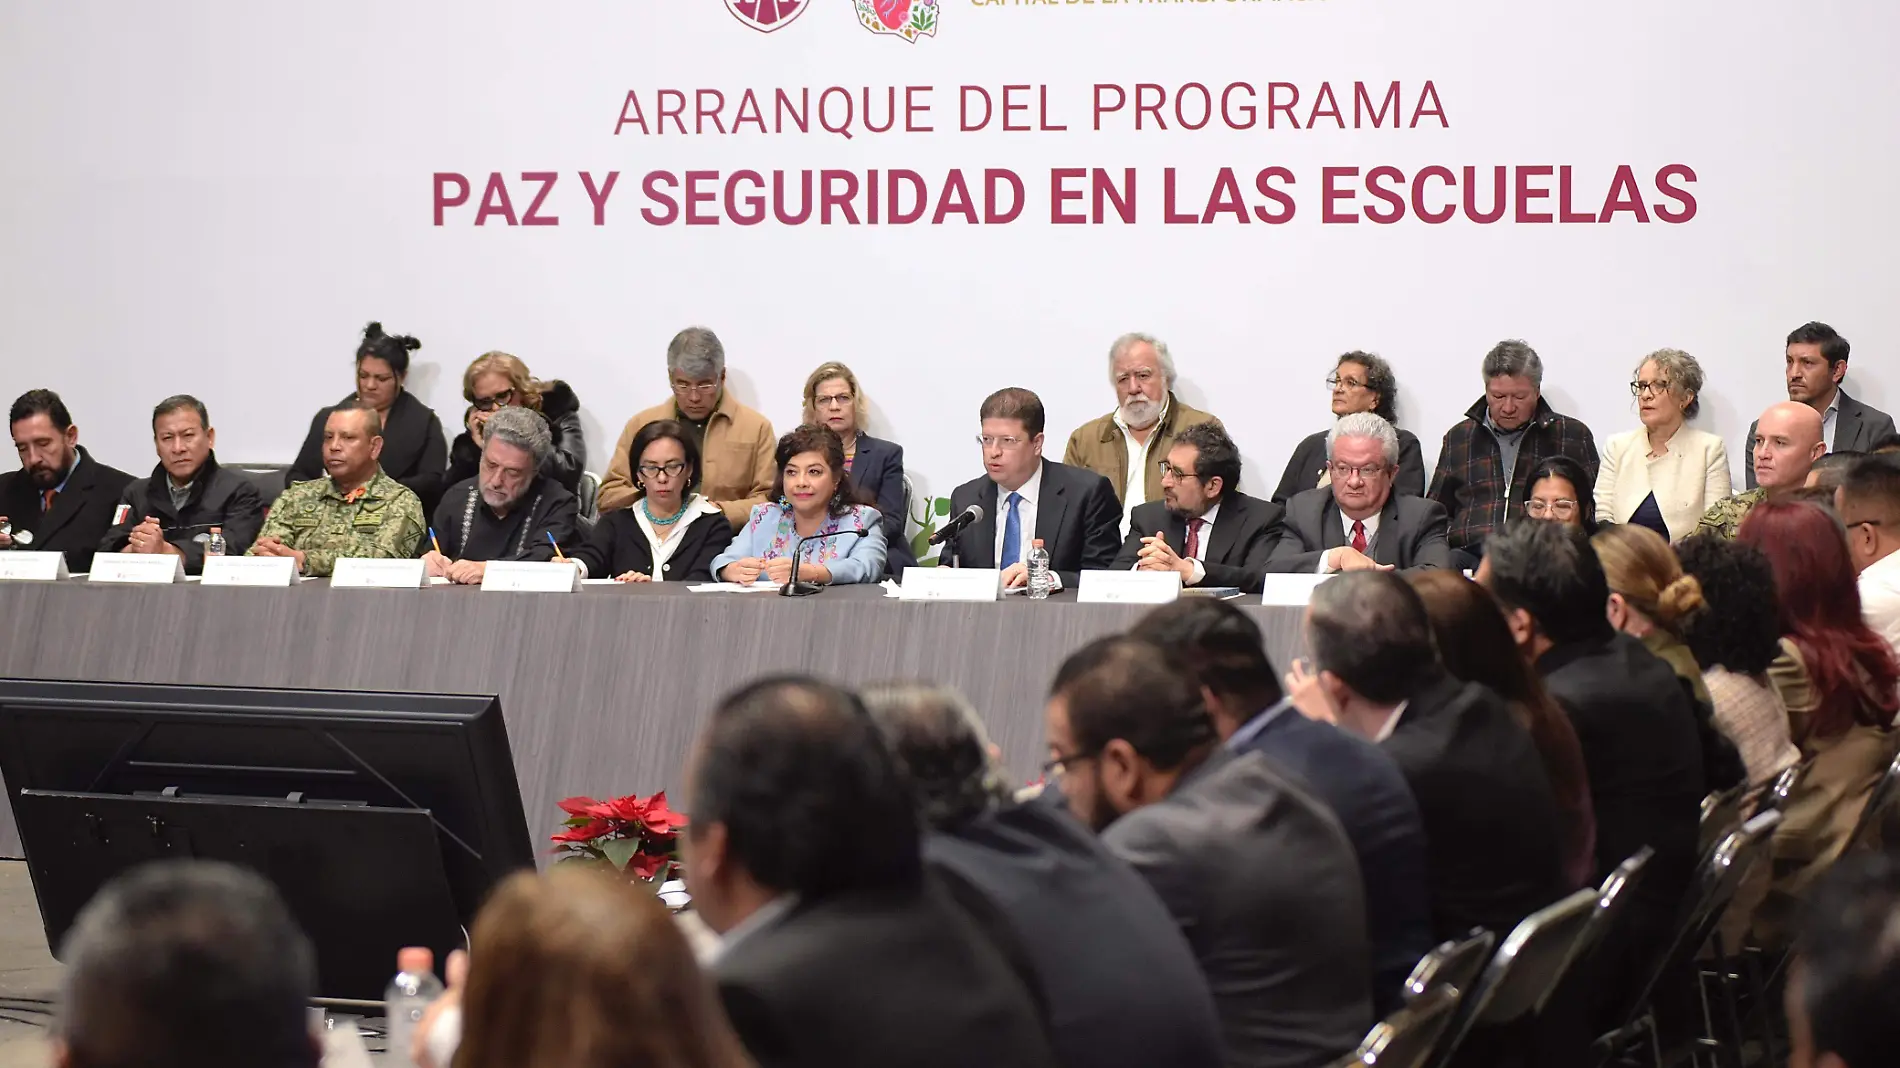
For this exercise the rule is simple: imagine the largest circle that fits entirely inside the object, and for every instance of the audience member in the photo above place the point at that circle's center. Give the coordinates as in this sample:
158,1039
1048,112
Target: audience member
1663,475
1817,364
812,499
1868,501
670,532
61,499
511,510
1830,471
1126,445
1559,491
1843,994
1360,382
1122,986
833,399
1734,640
497,381
1886,446
1487,457
804,855
1204,527
357,511
1025,498
1357,522
198,496
1491,820
186,964
735,442
1255,870
415,452
1476,646
1358,781
1787,441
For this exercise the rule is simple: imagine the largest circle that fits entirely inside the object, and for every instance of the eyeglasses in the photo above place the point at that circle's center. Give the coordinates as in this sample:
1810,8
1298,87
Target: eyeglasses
1168,470
1341,472
694,389
835,400
1560,508
671,469
1059,766
1336,383
1640,388
499,400
1000,443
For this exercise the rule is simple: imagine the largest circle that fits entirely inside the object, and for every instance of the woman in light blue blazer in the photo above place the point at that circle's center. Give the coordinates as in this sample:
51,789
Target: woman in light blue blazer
812,496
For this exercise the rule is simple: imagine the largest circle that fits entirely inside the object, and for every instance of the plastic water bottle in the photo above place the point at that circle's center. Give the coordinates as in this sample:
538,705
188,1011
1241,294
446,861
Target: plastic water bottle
1042,581
408,997
214,545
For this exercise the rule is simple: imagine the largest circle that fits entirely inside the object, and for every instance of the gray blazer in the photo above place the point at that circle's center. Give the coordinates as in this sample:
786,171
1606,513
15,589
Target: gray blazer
1857,428
1411,533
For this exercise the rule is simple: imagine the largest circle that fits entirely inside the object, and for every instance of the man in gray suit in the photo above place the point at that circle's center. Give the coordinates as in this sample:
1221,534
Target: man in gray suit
1356,522
1255,870
1817,364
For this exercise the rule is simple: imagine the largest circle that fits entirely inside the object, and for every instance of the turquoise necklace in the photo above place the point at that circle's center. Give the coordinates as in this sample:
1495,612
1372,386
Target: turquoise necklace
656,520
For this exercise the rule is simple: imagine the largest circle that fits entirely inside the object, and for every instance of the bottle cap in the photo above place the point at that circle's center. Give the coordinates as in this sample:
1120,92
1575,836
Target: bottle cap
217,530
1036,543
415,959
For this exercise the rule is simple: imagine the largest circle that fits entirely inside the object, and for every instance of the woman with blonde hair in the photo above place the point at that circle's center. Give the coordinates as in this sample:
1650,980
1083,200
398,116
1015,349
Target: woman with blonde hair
1663,475
833,399
497,380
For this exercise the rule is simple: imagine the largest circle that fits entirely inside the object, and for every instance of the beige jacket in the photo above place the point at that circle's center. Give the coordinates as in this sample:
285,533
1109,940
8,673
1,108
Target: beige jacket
1687,480
1099,446
735,457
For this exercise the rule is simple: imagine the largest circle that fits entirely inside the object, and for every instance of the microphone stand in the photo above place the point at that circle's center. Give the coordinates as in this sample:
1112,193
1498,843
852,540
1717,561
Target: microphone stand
795,588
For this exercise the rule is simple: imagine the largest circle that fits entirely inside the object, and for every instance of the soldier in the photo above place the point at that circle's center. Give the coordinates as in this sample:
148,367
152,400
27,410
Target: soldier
1788,440
357,511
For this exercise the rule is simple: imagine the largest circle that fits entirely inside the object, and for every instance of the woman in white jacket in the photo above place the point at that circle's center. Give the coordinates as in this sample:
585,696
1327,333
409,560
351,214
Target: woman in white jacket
1664,475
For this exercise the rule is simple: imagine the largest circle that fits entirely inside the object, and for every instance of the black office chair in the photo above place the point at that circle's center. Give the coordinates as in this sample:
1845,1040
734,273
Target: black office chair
1453,964
1721,815
1613,899
1775,797
587,497
1527,968
1409,1037
270,479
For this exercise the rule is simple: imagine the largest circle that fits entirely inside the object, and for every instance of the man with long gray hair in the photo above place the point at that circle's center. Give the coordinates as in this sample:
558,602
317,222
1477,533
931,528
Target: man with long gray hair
1356,522
1127,445
1122,987
509,510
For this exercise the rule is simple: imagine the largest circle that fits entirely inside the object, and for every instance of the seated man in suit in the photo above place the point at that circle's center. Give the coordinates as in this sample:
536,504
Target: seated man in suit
1490,814
1816,366
1122,987
188,495
1361,783
1357,522
1204,527
61,499
509,510
1025,497
1125,445
357,511
1255,869
836,948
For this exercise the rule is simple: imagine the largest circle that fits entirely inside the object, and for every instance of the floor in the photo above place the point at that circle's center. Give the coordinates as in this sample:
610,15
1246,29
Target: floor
29,977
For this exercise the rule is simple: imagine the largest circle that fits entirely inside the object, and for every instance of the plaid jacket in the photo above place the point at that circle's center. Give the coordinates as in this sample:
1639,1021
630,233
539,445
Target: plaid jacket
1469,481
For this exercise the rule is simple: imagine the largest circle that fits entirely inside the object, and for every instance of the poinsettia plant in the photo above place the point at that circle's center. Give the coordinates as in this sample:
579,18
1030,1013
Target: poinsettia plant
638,836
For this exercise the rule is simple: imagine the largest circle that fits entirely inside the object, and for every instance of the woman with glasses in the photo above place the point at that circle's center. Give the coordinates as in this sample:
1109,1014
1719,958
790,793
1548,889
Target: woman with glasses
812,497
1664,474
670,533
1559,490
876,466
414,449
1360,382
497,380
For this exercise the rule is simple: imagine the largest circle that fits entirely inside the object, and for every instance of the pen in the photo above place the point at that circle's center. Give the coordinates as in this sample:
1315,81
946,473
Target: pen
432,541
558,554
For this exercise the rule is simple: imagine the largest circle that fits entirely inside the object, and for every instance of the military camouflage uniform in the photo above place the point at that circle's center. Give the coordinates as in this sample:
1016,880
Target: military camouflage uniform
382,520
1725,517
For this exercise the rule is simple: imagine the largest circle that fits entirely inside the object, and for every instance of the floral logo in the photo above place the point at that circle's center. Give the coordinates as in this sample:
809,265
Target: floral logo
909,19
766,15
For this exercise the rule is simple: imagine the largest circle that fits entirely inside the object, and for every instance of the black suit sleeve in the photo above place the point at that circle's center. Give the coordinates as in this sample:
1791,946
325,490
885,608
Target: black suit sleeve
1430,549
753,1021
1131,551
309,462
1291,556
120,535
718,537
597,549
1411,480
1261,541
1101,530
560,522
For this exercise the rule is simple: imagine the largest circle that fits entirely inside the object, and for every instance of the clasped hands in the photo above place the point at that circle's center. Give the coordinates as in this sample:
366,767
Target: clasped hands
1158,555
149,537
747,570
271,546
461,572
1347,558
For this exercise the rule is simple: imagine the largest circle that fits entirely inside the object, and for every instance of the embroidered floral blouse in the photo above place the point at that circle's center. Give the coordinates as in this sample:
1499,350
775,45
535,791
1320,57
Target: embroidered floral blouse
768,535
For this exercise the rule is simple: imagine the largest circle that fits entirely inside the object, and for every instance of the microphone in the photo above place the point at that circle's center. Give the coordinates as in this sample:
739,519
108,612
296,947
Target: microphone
795,588
972,514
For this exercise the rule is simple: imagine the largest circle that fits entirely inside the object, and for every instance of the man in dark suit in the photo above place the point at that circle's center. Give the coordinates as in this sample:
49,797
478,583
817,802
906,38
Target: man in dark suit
61,499
1361,783
1025,497
1204,527
1816,365
1357,523
173,512
836,949
1490,814
1255,870
1122,986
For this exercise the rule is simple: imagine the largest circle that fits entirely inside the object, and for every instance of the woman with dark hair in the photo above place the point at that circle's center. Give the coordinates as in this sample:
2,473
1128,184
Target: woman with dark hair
670,533
1476,645
1360,382
498,380
1559,490
812,496
415,453
1734,639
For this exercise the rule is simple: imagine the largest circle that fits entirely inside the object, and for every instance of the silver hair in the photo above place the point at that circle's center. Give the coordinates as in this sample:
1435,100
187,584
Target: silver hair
1682,371
1365,425
1516,359
525,429
938,738
1126,341
696,353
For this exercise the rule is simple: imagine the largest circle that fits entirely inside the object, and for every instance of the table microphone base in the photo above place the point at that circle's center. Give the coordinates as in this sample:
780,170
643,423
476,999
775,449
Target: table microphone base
799,589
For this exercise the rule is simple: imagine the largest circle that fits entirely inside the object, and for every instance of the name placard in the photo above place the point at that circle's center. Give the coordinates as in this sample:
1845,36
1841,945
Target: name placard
951,584
1290,591
249,571
358,573
1128,587
137,567
520,577
32,567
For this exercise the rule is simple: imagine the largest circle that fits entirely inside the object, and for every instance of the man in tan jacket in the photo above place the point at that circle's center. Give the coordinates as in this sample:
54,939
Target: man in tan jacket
1127,445
736,443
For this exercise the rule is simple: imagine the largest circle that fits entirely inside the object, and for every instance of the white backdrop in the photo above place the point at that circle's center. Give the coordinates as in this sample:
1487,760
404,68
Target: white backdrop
214,197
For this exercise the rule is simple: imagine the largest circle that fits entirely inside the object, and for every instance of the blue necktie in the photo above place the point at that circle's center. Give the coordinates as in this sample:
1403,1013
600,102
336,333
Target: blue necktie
1012,533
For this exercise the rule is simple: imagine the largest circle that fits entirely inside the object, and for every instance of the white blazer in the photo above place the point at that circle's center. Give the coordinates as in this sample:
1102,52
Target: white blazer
1687,480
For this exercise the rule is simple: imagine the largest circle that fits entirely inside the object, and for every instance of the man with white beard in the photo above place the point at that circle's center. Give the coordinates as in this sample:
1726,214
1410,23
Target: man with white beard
509,510
1127,445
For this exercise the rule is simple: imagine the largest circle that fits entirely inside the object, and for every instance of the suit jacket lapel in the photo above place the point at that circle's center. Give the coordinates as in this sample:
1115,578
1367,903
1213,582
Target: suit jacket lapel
983,531
1332,531
66,503
1847,425
1385,544
1220,540
1049,512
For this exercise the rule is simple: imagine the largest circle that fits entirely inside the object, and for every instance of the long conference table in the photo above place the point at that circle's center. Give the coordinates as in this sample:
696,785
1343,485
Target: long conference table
603,691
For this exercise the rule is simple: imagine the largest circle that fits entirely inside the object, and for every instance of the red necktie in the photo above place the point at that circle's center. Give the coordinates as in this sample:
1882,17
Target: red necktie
1358,536
1194,538
46,500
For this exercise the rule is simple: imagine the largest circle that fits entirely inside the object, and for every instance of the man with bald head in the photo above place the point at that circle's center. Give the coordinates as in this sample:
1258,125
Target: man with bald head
1788,440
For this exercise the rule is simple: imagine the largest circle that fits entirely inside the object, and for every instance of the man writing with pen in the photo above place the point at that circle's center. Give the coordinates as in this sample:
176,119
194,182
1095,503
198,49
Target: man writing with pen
174,511
509,510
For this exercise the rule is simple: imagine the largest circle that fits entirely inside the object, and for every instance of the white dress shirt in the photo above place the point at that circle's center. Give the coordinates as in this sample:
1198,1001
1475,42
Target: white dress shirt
1880,598
1391,722
1031,492
1371,523
1830,418
1135,480
663,547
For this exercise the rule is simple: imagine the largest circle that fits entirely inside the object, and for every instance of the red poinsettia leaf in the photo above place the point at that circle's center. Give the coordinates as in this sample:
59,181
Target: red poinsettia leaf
630,809
577,806
645,866
661,819
583,833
